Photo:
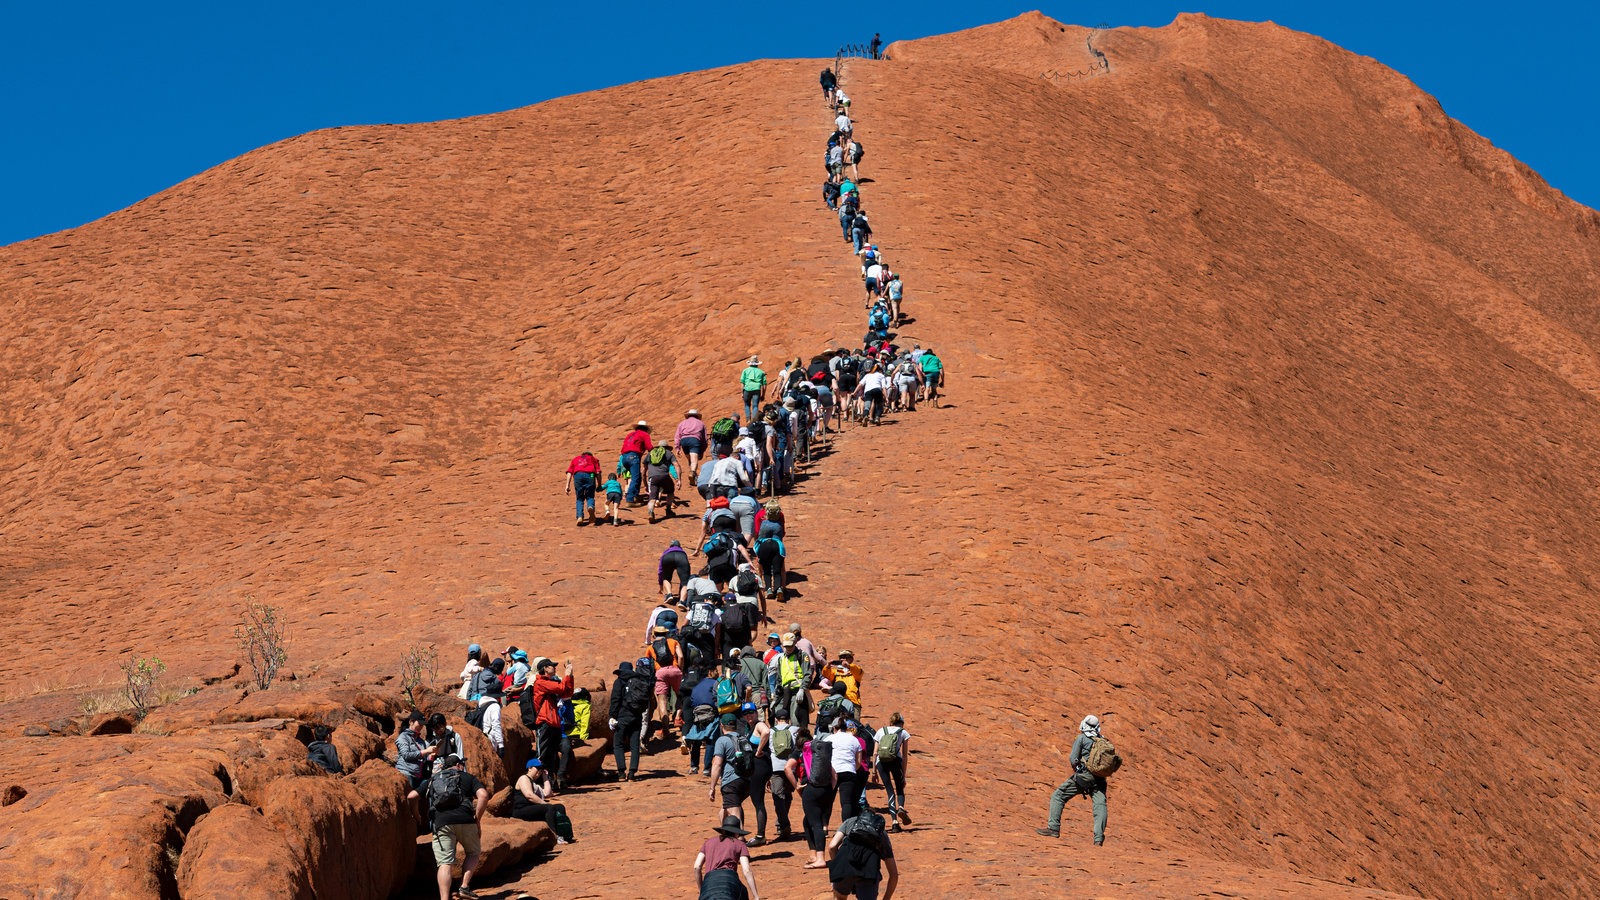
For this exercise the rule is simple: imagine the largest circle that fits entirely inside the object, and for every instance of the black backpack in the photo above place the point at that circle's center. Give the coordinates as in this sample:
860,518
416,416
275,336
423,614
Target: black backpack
821,764
828,711
739,618
530,716
747,583
860,151
661,651
867,831
744,757
444,790
758,433
475,715
695,643
638,694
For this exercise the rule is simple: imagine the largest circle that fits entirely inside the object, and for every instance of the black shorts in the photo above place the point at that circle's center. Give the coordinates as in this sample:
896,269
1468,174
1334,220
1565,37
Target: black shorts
873,396
661,484
734,792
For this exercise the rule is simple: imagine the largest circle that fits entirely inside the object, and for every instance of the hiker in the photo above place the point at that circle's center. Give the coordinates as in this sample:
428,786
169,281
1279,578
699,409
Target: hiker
613,492
841,124
582,475
816,796
487,718
634,446
907,381
324,754
547,690
852,158
444,739
876,47
845,671
457,801
723,551
758,736
660,463
472,668
830,83
874,387
932,375
858,852
754,383
667,656
632,695
895,290
744,507
849,773
834,707
892,755
1081,782
530,798
860,230
701,723
413,754
732,761
517,674
794,679
729,478
722,860
690,436
674,562
783,759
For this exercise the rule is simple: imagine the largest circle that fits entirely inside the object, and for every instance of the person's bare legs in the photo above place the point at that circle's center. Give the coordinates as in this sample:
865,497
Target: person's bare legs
469,869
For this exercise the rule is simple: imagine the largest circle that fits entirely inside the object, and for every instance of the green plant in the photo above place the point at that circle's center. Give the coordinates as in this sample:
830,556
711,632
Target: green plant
261,637
419,666
142,683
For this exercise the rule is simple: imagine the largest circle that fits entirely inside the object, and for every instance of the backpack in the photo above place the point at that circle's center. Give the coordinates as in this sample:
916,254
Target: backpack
564,713
725,429
737,620
758,433
827,711
695,644
444,790
1102,759
743,759
656,456
727,696
747,584
661,652
866,830
821,765
475,715
323,754
782,742
700,615
879,320
530,716
860,151
638,695
889,746
719,544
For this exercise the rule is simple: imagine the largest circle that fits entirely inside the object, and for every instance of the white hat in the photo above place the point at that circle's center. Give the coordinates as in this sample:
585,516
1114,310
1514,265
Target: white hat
1089,725
694,414
642,424
755,360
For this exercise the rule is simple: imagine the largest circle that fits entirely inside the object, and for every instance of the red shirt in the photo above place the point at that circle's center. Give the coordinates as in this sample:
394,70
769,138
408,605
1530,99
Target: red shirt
723,852
637,441
584,462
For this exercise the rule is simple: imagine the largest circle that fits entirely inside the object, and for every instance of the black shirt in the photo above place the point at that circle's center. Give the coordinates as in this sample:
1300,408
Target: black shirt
463,813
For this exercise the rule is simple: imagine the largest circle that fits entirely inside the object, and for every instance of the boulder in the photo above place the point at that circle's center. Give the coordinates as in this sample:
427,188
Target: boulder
352,835
503,842
234,851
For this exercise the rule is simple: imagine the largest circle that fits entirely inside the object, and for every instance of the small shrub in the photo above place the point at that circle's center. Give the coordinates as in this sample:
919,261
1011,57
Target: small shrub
419,666
261,638
142,683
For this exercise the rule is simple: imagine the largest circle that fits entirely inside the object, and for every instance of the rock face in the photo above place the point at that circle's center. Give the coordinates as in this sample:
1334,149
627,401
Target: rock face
1270,438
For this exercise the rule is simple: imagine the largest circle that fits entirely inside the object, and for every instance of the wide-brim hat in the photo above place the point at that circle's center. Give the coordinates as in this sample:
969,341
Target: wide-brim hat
731,826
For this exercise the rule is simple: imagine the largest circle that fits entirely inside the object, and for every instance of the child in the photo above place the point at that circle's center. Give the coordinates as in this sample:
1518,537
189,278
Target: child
613,489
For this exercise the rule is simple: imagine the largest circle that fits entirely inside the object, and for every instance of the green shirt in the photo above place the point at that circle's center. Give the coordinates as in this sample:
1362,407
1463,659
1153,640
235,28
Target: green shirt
931,363
753,378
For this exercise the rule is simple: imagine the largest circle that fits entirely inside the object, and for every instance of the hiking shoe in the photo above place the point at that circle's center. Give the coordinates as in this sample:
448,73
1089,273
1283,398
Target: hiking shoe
1099,842
466,894
895,828
905,817
757,841
1049,832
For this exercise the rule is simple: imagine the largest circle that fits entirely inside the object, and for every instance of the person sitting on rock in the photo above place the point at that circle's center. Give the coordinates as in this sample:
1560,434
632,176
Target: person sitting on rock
530,799
413,754
473,667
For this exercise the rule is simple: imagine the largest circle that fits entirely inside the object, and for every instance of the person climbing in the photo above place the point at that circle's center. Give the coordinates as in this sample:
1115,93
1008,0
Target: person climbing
836,164
794,680
877,46
530,800
582,474
632,695
858,854
860,230
667,657
731,764
816,795
690,436
852,158
849,773
753,381
771,554
874,388
472,668
701,723
547,690
457,801
660,463
845,671
722,861
830,83
674,563
932,376
613,492
894,290
1082,782
783,753
634,446
414,755
841,124
758,734
891,747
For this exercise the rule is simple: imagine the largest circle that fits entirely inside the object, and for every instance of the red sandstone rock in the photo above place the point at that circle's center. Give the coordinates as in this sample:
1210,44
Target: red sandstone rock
234,851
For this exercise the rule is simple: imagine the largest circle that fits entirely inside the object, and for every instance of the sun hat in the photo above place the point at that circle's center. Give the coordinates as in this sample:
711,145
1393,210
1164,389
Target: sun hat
755,360
692,414
623,668
788,639
731,826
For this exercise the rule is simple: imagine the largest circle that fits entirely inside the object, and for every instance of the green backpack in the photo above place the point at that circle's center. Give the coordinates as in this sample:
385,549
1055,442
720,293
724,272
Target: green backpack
656,456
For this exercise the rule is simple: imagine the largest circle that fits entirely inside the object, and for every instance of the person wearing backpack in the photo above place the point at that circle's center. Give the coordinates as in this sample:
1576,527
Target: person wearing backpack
860,230
701,722
723,553
852,158
547,691
732,762
667,655
457,801
833,708
659,464
858,853
758,734
690,438
783,754
932,375
631,698
891,752
1082,782
816,795
487,715
444,740
848,769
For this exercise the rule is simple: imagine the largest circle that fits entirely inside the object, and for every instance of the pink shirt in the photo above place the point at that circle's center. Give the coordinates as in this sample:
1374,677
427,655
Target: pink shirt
690,428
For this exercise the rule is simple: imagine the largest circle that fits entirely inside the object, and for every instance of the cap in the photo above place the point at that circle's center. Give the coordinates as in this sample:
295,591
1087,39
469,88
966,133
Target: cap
729,720
535,763
846,654
775,637
746,708
788,639
452,761
543,661
473,648
744,432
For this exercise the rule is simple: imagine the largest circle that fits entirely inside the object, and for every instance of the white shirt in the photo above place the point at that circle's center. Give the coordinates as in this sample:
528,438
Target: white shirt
842,123
491,725
846,751
874,381
748,449
900,742
875,271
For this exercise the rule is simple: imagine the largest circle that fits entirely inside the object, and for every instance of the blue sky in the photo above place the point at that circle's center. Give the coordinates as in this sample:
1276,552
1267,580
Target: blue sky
109,103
